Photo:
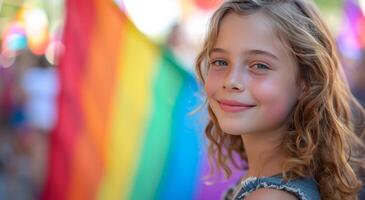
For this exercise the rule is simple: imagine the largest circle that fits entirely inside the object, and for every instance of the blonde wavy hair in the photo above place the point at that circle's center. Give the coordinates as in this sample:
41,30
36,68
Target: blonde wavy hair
326,126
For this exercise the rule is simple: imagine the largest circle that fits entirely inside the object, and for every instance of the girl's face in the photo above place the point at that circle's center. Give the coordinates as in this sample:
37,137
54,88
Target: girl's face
251,83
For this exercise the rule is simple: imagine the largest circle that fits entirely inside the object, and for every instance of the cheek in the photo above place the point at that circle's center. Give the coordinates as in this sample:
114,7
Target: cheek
213,82
277,98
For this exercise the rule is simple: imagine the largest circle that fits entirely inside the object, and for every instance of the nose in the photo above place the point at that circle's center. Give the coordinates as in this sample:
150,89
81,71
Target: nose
234,80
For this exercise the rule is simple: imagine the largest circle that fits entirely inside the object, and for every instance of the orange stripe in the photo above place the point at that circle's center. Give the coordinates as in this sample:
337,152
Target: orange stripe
131,111
96,94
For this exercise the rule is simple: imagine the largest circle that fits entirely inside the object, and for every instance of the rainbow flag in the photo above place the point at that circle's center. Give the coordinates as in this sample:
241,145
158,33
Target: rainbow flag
124,130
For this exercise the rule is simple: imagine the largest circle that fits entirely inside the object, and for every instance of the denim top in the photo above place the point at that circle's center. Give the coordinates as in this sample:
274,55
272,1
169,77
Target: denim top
302,188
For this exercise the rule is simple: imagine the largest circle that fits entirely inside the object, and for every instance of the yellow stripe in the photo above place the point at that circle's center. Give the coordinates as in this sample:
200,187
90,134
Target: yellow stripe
131,114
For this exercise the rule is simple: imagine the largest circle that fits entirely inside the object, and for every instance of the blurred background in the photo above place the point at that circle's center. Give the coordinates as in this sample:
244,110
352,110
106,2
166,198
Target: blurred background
98,98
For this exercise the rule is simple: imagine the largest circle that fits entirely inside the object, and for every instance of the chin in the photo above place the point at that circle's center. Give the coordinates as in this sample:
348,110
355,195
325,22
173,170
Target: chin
231,126
232,130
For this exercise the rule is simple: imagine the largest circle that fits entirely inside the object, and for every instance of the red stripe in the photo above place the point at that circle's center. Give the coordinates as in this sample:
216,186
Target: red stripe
76,38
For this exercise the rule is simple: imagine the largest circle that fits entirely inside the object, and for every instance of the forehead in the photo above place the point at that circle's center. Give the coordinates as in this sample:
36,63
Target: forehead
246,32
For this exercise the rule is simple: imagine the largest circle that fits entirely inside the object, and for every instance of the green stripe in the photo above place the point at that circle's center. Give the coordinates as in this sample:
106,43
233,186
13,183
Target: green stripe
156,145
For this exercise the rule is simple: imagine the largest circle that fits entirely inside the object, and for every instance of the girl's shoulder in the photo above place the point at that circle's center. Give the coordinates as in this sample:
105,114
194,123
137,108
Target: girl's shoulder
302,188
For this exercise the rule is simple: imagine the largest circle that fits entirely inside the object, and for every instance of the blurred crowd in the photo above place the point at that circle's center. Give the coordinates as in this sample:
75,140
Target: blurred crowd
28,92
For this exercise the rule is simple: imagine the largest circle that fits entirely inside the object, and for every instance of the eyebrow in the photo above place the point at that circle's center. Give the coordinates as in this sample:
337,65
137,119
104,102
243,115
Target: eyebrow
249,52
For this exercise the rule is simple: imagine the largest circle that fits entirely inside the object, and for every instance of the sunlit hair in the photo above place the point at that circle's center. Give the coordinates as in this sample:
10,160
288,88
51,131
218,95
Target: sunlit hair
323,139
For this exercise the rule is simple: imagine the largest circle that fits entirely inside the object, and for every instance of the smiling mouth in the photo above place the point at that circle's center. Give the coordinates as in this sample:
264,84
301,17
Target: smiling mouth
234,106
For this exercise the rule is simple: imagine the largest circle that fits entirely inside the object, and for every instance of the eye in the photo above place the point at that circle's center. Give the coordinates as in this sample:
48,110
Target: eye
260,66
219,63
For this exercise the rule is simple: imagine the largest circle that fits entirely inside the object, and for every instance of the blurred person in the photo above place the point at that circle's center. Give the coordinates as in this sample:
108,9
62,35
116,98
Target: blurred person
277,96
359,79
181,46
12,99
14,141
40,85
12,106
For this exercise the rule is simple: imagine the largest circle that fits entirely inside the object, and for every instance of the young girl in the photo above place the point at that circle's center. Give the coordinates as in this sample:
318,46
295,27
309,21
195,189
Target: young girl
277,96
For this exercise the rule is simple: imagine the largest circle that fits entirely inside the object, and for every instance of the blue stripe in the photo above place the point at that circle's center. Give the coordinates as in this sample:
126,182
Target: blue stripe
181,174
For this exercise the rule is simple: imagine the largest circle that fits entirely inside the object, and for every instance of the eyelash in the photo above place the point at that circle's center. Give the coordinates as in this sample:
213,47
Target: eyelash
220,63
265,66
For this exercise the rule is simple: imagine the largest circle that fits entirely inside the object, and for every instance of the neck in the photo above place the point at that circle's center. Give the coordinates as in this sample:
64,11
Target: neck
265,157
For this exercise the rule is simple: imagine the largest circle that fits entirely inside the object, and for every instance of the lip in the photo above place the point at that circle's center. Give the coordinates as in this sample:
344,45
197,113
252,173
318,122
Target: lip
234,106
